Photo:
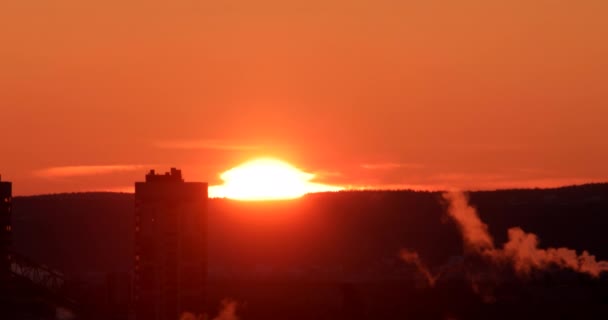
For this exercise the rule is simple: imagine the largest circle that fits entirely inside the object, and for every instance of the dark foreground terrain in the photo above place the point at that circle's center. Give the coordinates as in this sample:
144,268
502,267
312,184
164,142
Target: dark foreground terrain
335,255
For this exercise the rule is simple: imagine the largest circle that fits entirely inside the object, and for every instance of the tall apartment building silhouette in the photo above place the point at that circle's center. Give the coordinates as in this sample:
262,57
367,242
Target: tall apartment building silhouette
170,264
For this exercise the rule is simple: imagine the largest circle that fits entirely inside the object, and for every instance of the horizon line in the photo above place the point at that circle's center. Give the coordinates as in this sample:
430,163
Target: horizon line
346,190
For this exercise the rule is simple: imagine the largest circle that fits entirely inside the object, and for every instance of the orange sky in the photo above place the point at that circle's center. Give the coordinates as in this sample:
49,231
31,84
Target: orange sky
428,94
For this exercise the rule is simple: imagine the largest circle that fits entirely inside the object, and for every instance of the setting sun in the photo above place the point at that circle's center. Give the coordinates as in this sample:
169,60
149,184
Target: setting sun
267,179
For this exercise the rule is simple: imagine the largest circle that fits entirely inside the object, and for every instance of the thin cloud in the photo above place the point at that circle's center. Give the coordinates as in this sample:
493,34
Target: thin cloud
489,146
123,189
79,171
205,144
400,186
542,183
492,181
328,174
391,166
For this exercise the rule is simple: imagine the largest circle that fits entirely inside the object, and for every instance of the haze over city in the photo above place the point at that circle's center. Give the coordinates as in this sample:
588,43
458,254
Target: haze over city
384,94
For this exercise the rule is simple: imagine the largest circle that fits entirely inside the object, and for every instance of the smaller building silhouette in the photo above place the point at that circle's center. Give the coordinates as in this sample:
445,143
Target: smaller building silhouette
6,227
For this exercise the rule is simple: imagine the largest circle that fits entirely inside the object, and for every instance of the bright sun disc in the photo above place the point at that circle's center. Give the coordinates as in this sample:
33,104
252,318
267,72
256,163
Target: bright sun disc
267,179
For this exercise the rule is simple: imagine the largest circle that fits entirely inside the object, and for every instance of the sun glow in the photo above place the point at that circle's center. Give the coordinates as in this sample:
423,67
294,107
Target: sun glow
267,179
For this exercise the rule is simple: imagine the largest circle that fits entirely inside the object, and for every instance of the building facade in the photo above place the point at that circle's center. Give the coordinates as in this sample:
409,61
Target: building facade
6,228
170,266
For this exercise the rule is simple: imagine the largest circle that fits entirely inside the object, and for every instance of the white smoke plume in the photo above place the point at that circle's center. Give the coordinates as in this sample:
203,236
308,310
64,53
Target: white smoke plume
474,232
190,316
227,312
412,257
64,314
521,251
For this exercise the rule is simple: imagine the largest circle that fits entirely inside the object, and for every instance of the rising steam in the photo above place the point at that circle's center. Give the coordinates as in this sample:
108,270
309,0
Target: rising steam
412,257
64,314
474,232
227,312
521,251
